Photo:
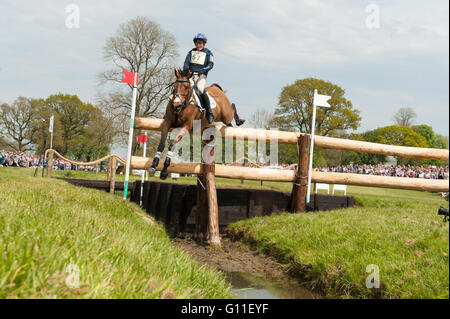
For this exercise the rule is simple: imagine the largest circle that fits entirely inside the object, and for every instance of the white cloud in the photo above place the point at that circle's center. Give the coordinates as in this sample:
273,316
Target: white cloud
335,32
274,42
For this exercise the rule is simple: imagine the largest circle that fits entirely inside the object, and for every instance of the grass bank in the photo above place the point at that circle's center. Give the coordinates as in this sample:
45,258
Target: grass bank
50,231
398,231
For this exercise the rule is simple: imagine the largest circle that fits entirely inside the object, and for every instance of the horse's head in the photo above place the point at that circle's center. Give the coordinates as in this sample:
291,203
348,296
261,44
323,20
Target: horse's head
182,90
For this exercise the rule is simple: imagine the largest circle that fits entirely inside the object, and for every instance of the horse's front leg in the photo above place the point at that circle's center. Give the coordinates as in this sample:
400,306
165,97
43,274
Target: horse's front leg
184,131
161,145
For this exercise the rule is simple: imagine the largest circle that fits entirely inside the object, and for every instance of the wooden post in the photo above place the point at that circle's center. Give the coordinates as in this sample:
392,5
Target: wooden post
108,169
50,164
112,182
299,189
208,169
201,220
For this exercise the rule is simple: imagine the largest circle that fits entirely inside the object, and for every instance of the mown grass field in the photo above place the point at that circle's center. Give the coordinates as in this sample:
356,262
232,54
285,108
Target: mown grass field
49,229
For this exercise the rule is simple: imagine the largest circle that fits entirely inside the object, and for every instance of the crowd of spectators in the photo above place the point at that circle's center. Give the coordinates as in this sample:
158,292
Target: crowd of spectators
18,159
22,159
428,172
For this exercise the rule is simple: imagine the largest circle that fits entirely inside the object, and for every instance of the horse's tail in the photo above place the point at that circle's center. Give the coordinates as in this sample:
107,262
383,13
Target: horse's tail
215,84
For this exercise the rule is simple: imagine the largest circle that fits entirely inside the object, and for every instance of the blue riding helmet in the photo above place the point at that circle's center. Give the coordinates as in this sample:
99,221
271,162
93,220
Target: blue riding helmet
200,36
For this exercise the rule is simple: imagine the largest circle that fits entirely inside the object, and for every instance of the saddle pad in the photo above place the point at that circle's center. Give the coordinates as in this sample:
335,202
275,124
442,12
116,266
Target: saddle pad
212,102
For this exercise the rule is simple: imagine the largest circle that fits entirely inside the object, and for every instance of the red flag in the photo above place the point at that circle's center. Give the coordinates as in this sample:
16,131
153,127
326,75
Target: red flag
142,138
129,77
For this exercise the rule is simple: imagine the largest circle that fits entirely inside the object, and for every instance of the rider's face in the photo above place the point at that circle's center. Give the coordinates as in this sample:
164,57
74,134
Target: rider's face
199,44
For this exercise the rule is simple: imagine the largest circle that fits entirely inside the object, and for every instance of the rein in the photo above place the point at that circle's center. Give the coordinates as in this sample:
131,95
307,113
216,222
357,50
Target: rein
178,109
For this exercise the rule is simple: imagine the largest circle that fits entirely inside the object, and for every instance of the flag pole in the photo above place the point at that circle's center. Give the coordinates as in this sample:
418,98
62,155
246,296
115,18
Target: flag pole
143,173
130,138
51,131
311,149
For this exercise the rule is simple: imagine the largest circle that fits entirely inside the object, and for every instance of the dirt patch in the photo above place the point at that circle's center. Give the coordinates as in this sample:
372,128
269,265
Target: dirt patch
232,257
236,257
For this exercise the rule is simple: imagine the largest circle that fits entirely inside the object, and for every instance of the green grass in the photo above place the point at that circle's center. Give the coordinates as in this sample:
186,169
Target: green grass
397,230
47,225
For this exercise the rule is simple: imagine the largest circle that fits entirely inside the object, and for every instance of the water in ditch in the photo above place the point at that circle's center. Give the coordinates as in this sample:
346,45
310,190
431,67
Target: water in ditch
249,286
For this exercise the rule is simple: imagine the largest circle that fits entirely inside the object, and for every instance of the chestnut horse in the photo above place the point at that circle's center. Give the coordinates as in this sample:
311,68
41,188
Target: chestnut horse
181,111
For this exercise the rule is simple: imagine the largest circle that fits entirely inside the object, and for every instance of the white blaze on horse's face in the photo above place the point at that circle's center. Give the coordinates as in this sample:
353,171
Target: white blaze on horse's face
177,100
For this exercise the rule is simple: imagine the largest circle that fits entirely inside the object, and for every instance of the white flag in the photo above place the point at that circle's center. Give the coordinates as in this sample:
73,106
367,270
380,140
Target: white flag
321,100
50,129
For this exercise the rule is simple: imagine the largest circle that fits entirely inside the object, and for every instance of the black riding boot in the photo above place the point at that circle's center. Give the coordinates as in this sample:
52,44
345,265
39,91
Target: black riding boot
207,106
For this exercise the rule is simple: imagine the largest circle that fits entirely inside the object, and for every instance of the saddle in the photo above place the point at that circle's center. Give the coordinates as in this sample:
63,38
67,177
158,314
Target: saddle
198,101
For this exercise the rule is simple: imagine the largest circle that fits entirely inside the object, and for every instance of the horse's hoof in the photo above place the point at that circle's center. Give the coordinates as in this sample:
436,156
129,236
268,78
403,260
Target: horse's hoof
163,175
151,171
155,162
240,122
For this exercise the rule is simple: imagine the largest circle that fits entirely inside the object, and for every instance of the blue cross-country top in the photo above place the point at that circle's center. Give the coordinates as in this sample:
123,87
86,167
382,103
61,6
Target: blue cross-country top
199,61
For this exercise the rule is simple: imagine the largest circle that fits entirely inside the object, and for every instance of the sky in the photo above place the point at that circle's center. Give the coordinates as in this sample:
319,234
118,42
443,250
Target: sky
384,54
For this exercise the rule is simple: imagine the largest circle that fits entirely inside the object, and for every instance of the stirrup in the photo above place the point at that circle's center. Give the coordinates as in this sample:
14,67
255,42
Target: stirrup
210,117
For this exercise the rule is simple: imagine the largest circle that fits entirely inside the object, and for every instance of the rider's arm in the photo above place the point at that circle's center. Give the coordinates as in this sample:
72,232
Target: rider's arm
187,61
210,64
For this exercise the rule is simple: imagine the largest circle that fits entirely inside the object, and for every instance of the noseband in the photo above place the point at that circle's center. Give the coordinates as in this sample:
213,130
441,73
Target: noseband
187,96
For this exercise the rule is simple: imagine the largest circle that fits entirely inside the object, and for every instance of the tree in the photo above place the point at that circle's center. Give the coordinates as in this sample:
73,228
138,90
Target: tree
294,111
3,143
405,116
371,136
141,46
427,132
16,121
96,140
261,118
402,136
73,117
441,141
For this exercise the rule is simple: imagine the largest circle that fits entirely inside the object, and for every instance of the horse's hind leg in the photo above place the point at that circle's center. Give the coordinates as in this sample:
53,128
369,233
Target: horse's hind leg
170,152
237,120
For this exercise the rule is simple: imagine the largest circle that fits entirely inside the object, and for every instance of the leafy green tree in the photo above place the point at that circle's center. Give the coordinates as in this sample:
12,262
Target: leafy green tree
402,136
96,140
294,111
371,136
427,132
441,141
73,117
80,130
287,154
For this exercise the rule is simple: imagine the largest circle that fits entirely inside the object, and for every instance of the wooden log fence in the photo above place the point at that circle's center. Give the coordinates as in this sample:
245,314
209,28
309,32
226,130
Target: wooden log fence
207,224
277,175
298,177
112,160
319,141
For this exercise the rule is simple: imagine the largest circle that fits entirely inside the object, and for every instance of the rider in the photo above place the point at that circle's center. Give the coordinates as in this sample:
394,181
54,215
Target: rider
200,61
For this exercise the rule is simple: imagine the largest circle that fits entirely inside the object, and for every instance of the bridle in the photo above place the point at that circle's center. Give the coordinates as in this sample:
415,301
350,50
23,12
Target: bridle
187,96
